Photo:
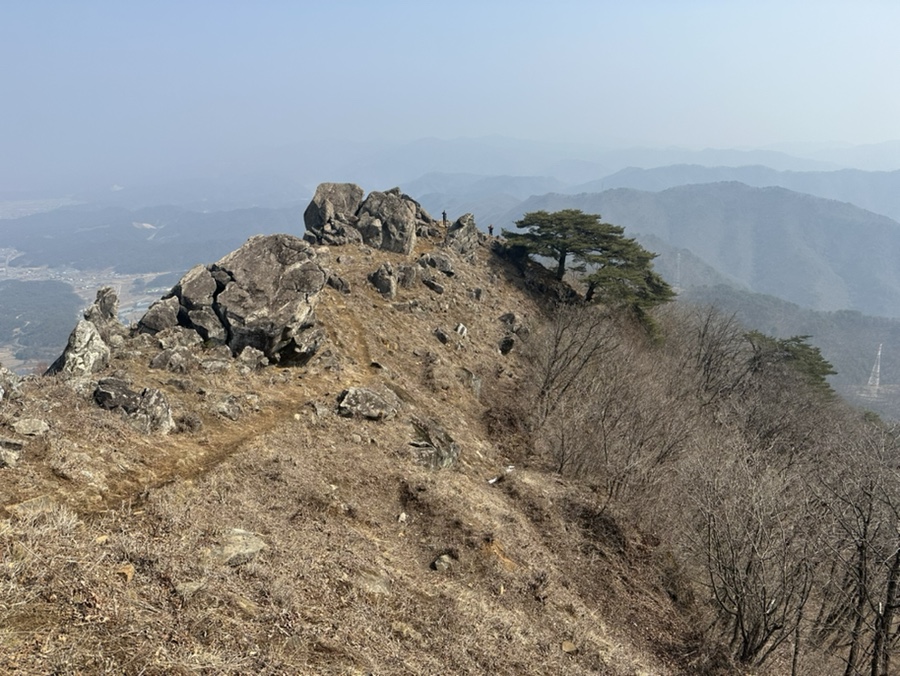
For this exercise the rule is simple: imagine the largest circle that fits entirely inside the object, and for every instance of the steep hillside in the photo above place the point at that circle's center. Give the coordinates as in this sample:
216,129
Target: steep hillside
268,533
820,254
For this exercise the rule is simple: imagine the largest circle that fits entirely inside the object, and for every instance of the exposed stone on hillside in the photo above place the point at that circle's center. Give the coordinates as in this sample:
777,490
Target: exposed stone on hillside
438,261
84,354
384,280
262,295
386,220
332,214
463,236
434,447
148,409
360,402
104,314
31,427
10,384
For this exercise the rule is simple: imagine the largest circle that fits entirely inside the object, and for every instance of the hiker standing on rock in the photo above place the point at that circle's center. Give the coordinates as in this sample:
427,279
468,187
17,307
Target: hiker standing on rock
491,229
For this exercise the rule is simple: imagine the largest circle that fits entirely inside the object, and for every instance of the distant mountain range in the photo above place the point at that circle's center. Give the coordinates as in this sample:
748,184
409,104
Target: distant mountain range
818,253
153,239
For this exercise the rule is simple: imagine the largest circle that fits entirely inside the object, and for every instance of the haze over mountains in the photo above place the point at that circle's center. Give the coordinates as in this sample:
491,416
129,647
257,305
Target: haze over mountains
804,229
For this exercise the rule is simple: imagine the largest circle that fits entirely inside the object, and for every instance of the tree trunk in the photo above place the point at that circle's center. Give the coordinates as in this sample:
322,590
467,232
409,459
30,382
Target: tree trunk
561,267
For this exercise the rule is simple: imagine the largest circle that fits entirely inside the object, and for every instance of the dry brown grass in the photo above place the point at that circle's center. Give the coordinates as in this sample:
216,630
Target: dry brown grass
114,567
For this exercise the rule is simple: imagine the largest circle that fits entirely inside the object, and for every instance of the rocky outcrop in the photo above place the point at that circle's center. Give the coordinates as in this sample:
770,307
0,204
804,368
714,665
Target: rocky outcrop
104,314
85,353
262,295
147,410
384,220
387,220
463,236
10,385
332,214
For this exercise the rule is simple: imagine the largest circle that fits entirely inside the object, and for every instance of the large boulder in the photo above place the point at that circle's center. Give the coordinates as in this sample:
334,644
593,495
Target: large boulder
84,354
332,213
387,220
261,295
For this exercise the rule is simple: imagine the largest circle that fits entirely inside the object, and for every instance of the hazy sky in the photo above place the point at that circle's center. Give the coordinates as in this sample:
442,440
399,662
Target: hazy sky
94,85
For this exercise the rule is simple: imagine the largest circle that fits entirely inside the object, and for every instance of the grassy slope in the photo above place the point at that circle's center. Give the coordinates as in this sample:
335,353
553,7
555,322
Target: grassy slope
110,540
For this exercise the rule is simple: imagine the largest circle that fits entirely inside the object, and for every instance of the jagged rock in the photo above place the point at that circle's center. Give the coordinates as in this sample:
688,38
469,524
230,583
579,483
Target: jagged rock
434,447
161,315
31,427
463,236
442,335
437,261
360,402
262,295
230,408
174,359
514,324
384,280
338,283
253,358
387,220
433,285
148,410
9,457
104,314
332,214
85,353
407,276
507,343
178,336
462,330
10,384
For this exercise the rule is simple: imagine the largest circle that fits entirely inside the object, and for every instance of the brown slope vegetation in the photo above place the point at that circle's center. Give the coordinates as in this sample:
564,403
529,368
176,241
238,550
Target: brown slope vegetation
115,544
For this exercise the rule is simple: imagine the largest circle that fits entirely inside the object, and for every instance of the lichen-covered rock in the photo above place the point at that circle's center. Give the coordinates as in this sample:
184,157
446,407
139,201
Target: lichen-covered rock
85,353
434,447
360,402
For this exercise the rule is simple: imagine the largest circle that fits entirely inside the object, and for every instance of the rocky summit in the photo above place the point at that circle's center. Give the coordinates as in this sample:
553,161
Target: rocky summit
300,461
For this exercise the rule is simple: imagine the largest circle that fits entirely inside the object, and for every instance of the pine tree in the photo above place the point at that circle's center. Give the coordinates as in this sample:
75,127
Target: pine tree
617,270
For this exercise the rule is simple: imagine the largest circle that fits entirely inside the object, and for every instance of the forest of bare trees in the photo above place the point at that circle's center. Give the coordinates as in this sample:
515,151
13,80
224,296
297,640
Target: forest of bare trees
780,502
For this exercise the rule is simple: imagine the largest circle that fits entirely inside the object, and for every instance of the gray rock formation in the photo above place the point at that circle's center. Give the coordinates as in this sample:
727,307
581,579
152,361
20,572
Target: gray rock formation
85,353
384,280
332,214
438,261
147,410
31,427
386,220
104,314
10,384
434,447
463,236
360,402
262,295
